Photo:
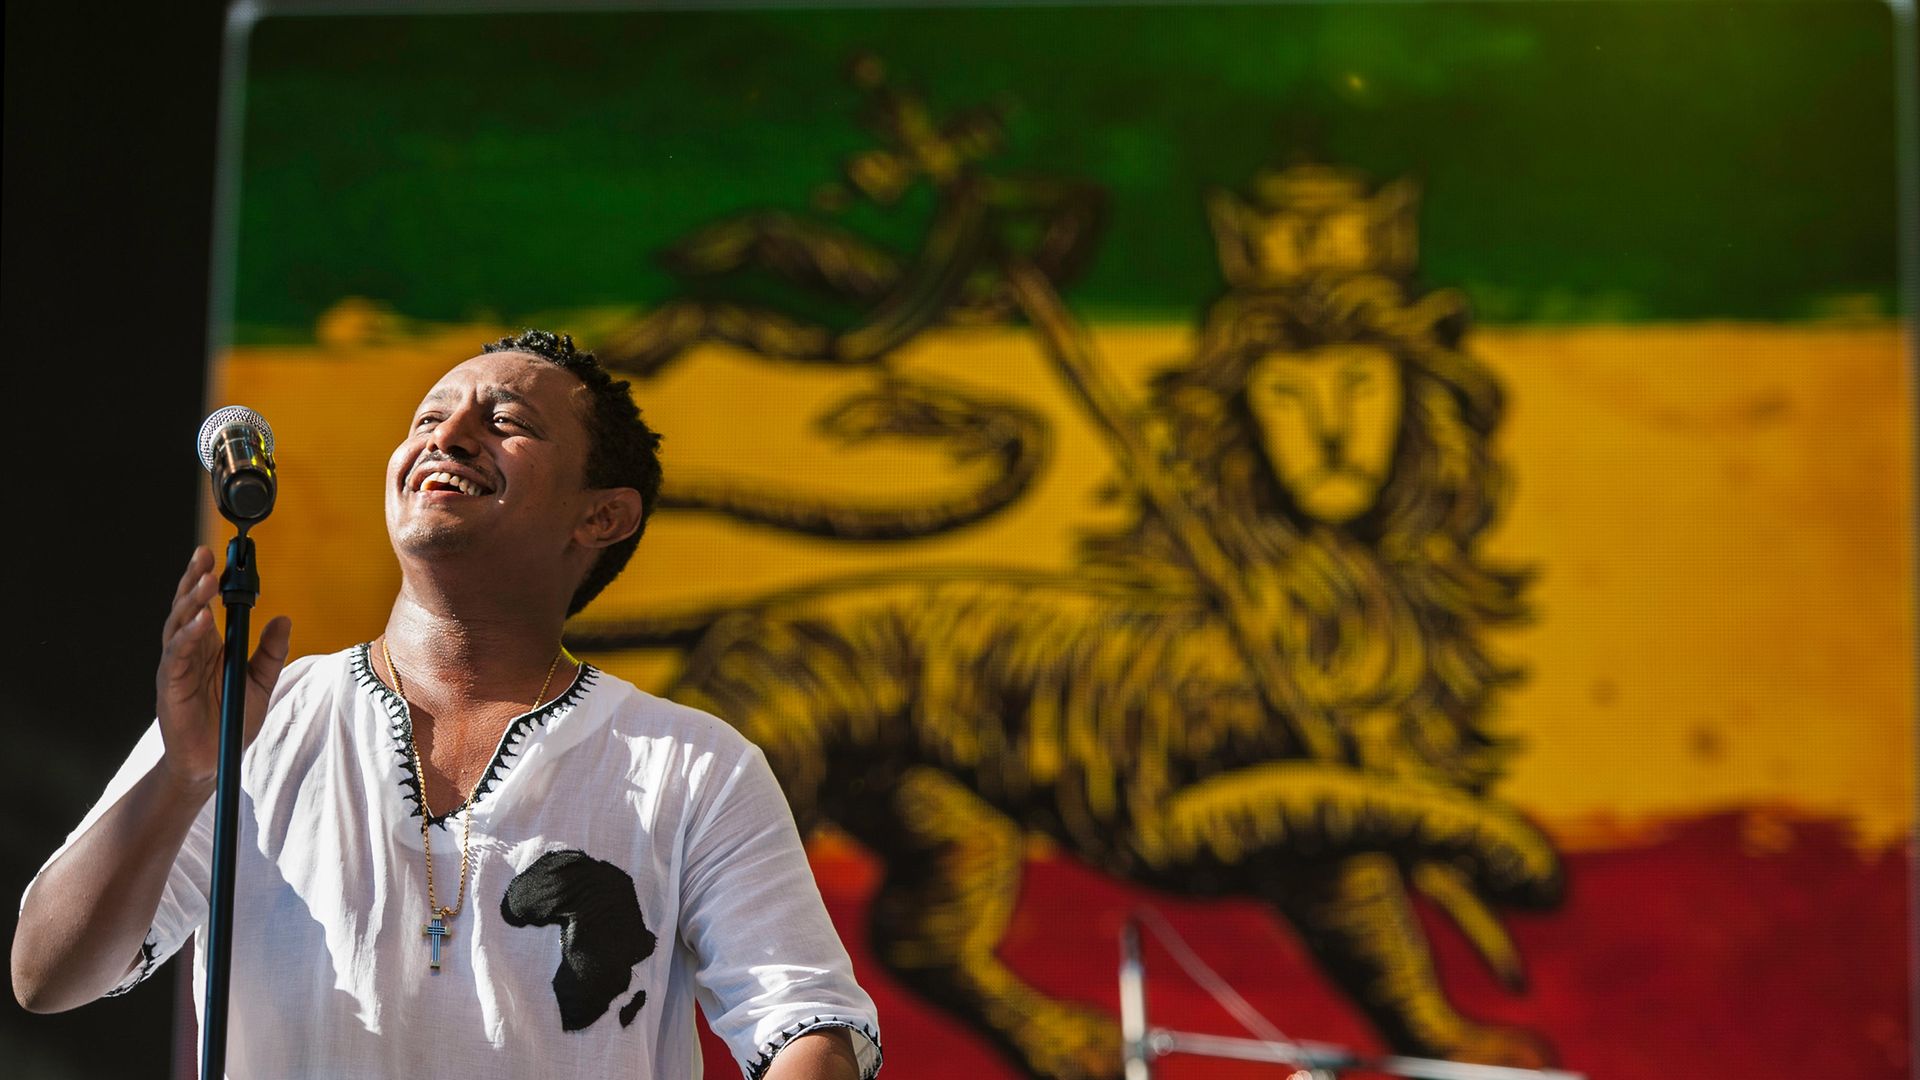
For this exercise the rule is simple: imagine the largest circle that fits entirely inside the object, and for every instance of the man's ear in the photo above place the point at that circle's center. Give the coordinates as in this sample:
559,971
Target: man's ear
613,516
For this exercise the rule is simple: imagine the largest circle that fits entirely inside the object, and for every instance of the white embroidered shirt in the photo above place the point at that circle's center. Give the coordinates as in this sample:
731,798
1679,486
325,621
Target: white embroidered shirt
629,856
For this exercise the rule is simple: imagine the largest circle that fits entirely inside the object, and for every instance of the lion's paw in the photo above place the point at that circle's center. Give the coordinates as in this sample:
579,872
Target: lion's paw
1067,1042
1485,1044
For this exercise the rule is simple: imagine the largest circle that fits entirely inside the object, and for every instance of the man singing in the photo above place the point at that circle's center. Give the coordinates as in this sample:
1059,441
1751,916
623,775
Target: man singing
464,853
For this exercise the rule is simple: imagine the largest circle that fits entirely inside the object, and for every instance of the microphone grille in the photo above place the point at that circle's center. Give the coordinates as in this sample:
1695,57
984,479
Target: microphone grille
231,414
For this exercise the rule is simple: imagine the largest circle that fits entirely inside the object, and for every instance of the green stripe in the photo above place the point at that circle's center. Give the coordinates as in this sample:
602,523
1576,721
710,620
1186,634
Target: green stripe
1581,162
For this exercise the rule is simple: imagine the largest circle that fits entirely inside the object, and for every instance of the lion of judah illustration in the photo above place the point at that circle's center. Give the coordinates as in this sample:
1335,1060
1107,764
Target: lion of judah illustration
1332,438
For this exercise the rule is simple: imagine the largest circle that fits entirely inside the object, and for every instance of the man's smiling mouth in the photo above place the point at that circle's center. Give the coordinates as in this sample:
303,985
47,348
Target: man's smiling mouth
446,481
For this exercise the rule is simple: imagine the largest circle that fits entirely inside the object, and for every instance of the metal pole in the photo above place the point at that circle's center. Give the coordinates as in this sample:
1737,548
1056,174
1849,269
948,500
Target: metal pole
239,588
1133,1006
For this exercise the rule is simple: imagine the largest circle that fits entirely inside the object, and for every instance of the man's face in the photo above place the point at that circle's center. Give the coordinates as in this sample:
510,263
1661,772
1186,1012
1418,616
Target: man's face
496,457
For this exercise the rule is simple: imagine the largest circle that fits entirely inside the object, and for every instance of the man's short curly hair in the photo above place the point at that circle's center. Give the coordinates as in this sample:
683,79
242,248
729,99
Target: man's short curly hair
622,451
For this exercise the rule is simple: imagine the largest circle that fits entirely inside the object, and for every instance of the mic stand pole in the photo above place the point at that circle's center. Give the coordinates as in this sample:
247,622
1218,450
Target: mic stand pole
239,588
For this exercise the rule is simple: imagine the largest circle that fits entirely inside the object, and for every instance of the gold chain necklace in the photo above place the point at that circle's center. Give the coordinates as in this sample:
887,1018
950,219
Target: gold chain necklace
436,929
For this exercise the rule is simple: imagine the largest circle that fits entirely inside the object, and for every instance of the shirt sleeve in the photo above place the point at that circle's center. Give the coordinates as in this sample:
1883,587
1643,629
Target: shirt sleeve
769,966
183,903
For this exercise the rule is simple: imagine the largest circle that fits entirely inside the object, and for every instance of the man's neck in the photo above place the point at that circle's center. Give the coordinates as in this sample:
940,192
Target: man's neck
494,647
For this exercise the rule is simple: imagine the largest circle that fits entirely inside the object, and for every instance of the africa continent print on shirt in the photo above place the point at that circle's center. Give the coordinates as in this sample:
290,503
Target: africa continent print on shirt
602,933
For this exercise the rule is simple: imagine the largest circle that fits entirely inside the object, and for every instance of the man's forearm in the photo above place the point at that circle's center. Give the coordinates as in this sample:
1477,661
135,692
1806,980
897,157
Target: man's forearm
86,918
825,1054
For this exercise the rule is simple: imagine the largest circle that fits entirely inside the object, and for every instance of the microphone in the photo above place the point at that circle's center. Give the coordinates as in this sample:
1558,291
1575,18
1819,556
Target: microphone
236,446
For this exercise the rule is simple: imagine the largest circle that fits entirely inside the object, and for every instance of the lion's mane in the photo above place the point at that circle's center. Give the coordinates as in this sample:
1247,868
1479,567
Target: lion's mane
1414,555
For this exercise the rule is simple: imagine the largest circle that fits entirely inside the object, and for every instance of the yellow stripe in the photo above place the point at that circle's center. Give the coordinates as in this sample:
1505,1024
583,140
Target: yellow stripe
1720,514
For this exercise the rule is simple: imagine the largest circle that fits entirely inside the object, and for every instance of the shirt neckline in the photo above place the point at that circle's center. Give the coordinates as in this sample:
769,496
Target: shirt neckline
400,726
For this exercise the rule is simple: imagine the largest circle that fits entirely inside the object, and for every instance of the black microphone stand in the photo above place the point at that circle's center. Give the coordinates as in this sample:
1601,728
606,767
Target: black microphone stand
239,588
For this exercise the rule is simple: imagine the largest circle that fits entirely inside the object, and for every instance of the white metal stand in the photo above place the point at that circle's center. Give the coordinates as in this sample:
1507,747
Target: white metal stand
1144,1044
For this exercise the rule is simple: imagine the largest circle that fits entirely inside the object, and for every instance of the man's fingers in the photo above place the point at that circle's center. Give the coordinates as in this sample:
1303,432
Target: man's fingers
188,646
191,635
198,563
271,654
263,671
194,596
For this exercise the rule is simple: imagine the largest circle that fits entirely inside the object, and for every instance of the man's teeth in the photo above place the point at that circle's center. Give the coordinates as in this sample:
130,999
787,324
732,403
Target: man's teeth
448,480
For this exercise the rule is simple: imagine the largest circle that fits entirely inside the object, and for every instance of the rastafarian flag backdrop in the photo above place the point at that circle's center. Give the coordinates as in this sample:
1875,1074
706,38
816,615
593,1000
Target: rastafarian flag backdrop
1417,496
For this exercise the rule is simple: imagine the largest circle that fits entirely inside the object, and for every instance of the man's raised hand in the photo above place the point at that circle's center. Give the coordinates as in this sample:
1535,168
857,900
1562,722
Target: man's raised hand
187,684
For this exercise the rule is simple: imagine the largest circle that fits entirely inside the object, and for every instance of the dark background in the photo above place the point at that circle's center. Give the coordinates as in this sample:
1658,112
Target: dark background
111,117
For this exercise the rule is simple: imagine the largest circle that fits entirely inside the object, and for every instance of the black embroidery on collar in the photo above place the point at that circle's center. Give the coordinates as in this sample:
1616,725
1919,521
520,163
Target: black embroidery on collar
149,958
602,932
787,1034
400,721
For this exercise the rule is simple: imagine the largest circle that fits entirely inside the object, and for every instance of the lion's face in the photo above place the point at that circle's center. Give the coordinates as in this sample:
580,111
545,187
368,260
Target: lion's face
1329,420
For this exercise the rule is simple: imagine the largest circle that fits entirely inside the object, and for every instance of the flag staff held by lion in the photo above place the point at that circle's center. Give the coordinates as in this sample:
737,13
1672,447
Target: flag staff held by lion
464,851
